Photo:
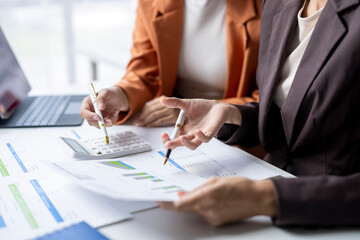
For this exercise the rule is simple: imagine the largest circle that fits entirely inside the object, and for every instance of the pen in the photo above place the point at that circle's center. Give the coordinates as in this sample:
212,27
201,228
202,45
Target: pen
101,120
179,122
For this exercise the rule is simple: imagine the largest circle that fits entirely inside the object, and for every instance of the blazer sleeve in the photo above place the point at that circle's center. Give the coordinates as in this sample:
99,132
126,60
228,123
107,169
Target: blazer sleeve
141,82
246,135
318,201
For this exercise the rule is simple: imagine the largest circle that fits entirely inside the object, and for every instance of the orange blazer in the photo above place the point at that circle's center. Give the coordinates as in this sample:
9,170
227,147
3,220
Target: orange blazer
152,70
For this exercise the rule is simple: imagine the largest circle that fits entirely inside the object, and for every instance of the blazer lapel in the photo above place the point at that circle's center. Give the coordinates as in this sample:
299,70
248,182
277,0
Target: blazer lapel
165,6
283,26
240,10
327,34
238,13
167,21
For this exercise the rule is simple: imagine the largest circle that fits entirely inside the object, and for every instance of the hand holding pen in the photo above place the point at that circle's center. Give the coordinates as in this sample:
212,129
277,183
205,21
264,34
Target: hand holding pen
204,118
111,102
97,111
179,122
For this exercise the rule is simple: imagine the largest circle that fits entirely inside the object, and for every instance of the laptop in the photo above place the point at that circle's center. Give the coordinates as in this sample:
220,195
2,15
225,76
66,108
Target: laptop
17,109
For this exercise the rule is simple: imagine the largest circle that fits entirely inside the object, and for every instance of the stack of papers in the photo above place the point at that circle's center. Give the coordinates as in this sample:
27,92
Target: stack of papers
38,193
34,200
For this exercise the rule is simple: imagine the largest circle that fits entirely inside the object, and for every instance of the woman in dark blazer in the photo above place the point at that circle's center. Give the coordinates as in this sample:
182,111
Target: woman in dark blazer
310,129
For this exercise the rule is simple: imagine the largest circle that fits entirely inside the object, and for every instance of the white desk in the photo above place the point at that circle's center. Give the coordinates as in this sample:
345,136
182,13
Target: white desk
163,225
160,224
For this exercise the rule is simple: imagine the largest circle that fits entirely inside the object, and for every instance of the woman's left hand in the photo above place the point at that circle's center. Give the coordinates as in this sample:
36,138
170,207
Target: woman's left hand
155,114
225,200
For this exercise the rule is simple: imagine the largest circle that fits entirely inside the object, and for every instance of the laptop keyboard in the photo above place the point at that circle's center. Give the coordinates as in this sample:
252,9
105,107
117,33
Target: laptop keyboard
44,110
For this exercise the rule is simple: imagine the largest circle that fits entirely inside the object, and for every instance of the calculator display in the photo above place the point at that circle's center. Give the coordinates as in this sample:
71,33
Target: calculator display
74,145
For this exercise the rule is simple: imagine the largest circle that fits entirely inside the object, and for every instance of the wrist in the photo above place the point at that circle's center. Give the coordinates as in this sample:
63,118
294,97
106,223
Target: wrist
123,98
233,115
265,190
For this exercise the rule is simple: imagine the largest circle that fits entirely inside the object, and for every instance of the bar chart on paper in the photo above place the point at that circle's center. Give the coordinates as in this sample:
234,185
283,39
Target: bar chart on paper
136,176
16,161
3,170
24,202
121,180
201,163
26,205
197,162
14,164
29,208
143,176
35,200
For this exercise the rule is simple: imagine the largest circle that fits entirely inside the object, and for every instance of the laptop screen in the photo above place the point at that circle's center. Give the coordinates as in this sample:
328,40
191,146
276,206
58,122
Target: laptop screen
13,84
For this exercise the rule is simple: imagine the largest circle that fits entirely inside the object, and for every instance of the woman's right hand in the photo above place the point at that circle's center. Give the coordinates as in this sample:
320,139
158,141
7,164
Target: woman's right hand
111,101
204,118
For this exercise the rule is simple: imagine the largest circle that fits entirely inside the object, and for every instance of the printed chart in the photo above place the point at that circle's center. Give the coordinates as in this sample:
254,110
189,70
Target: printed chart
202,164
35,200
27,206
123,181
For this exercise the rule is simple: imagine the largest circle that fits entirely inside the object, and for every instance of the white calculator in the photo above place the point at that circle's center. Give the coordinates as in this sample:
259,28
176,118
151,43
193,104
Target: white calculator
121,144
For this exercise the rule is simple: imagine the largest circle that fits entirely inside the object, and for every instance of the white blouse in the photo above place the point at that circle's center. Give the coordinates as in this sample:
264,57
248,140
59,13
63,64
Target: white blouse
299,44
202,64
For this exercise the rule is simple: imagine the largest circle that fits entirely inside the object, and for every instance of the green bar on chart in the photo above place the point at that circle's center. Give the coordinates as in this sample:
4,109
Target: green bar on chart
141,174
134,174
23,206
118,164
3,169
157,180
170,187
166,187
144,177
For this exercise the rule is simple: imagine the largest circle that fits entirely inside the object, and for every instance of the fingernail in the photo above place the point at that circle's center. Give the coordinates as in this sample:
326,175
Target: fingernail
95,118
101,106
181,193
139,124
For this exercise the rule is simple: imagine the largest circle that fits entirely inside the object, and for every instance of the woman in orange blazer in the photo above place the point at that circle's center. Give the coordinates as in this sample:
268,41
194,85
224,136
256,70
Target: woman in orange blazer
153,68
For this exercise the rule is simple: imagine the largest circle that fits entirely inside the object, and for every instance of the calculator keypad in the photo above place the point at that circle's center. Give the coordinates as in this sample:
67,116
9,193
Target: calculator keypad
121,144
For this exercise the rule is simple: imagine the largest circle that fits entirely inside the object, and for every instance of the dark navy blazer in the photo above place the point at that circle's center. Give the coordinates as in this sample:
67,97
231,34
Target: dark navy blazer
316,134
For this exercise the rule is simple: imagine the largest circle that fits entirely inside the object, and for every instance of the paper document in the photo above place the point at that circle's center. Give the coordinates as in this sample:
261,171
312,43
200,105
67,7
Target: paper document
211,159
144,177
29,208
119,180
35,200
201,163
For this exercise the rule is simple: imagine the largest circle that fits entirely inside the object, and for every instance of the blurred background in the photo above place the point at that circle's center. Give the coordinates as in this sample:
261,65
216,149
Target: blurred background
61,44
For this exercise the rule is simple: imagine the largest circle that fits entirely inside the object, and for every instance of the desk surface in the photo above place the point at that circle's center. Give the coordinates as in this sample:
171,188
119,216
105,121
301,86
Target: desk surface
161,224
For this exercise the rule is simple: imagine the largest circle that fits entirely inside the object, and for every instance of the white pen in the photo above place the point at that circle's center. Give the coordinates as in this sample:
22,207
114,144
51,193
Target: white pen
101,120
179,122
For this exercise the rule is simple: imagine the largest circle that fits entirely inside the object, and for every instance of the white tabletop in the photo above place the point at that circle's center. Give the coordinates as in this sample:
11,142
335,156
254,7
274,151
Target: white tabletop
160,224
